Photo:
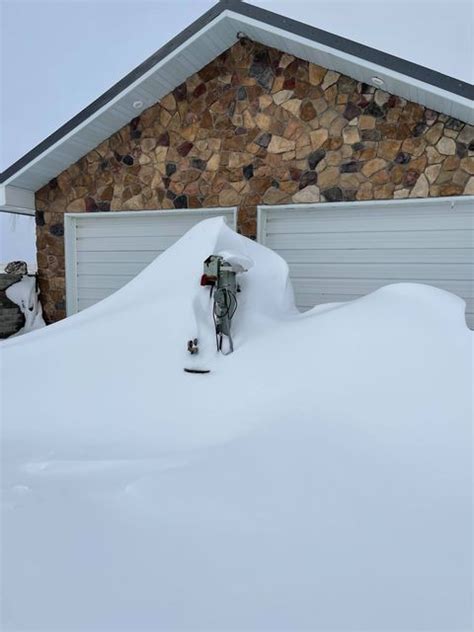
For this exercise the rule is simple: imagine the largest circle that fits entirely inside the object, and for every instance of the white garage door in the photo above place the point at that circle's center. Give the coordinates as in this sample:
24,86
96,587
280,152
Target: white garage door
104,251
338,252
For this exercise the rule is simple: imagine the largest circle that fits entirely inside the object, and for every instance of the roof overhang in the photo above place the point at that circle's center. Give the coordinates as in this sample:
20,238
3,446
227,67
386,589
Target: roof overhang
16,200
198,45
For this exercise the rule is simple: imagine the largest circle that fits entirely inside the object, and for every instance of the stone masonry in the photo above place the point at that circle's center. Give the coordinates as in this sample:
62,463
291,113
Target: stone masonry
257,126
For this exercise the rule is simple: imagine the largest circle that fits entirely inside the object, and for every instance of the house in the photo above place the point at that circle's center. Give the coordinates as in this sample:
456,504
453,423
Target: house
355,165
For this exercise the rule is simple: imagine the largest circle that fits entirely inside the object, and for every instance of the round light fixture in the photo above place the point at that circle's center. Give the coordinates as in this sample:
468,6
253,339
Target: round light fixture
377,81
137,105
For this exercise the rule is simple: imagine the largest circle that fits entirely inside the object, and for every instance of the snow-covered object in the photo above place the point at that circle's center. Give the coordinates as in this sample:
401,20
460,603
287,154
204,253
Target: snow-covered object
26,296
237,259
318,478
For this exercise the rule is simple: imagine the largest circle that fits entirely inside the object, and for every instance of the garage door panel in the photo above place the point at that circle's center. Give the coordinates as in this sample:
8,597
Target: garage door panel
372,239
338,252
104,251
375,255
388,271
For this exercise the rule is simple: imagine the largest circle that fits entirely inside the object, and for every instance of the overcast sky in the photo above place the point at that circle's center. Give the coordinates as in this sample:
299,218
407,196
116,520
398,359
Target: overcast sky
59,55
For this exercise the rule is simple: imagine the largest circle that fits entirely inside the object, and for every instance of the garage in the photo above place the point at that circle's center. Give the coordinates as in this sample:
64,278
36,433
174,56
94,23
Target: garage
104,251
339,252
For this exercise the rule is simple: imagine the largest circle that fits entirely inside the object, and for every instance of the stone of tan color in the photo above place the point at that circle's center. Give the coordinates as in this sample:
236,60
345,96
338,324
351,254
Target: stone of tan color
365,191
280,145
290,155
328,178
434,157
351,135
381,97
460,177
213,162
265,101
401,194
451,163
446,146
286,60
249,121
148,144
384,192
76,206
388,149
135,203
330,79
278,83
316,74
450,189
414,146
467,164
160,153
292,106
469,188
168,102
264,121
366,122
336,127
432,172
318,138
307,195
372,166
433,135
320,105
275,196
327,118
229,197
421,188
466,135
282,96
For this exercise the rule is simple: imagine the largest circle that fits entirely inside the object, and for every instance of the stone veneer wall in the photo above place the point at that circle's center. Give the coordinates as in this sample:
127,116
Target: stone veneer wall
257,126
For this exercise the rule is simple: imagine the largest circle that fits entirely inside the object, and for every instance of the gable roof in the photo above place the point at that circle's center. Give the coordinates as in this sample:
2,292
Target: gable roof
192,49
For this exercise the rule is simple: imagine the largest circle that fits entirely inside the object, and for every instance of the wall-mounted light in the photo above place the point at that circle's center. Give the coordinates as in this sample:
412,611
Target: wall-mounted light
377,81
137,105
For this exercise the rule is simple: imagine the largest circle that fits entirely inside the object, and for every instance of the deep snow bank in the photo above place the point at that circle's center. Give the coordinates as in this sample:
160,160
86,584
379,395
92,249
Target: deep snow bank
320,477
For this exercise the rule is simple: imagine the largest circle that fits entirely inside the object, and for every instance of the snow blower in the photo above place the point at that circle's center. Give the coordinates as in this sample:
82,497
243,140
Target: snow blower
219,274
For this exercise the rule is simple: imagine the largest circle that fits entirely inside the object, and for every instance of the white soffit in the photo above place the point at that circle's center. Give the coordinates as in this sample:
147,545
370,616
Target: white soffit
190,57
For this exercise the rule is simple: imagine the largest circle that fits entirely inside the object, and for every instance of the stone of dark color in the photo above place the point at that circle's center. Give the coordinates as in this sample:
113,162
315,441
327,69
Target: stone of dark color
166,182
185,148
170,168
334,194
308,178
351,111
264,140
349,195
289,84
358,146
461,149
455,124
163,140
199,90
402,158
261,69
241,94
118,157
128,160
181,92
471,146
315,157
103,206
135,134
181,201
104,164
231,108
198,163
364,87
419,129
370,134
307,111
410,177
362,103
134,123
275,184
39,218
374,110
170,195
240,130
57,230
295,174
248,171
61,305
91,204
53,184
350,167
392,101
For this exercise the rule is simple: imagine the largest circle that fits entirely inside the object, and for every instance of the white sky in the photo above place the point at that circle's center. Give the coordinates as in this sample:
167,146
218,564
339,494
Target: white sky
57,56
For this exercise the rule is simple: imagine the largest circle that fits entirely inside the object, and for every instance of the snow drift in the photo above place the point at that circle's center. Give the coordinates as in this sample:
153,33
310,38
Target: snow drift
319,477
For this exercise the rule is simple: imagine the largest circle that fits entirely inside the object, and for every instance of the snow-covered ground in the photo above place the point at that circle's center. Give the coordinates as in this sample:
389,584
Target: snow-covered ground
318,478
